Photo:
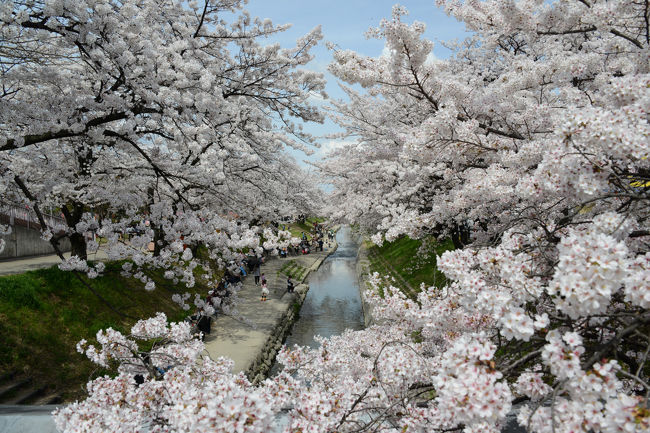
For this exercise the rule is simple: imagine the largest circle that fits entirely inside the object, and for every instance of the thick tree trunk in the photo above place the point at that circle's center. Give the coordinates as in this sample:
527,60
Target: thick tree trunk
195,249
158,240
460,236
78,245
77,240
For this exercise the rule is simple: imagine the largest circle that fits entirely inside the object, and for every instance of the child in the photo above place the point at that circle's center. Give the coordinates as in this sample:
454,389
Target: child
263,278
265,290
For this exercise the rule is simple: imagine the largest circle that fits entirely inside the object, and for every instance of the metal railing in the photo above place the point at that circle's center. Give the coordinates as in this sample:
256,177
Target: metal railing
24,215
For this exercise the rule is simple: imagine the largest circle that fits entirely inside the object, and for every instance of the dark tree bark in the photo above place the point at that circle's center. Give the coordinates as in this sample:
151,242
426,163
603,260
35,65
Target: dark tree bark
78,246
77,240
460,236
158,240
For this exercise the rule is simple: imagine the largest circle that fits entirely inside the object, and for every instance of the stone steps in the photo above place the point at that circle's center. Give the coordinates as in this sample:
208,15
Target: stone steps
51,398
26,395
13,386
23,391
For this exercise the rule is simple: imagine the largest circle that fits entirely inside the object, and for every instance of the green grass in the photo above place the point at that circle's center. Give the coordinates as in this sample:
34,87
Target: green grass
413,260
293,270
297,229
44,313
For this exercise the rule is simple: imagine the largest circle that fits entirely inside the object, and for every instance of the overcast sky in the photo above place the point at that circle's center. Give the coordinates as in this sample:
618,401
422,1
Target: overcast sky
344,23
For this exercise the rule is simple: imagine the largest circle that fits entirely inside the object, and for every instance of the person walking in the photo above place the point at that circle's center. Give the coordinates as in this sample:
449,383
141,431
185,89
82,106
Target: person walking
265,291
256,274
289,285
263,279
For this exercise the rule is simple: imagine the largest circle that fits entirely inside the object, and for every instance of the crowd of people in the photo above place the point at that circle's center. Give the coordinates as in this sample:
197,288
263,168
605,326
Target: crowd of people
251,264
234,274
313,241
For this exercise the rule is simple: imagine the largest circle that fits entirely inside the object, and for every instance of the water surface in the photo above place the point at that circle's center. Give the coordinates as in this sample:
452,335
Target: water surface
332,304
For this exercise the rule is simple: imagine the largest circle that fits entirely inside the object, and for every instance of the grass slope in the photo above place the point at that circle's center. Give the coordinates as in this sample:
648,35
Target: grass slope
410,260
297,228
44,313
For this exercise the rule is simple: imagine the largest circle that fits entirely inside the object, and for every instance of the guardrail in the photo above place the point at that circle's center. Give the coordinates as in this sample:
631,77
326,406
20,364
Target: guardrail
24,215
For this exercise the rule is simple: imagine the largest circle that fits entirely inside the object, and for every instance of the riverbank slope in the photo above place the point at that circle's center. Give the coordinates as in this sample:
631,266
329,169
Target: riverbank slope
409,263
44,313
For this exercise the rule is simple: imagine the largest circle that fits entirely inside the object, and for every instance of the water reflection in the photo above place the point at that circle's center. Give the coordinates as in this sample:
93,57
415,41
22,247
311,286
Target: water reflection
332,304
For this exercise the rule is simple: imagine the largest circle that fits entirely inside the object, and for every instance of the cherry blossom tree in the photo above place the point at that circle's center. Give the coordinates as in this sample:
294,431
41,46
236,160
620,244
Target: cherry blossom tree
117,112
169,386
530,147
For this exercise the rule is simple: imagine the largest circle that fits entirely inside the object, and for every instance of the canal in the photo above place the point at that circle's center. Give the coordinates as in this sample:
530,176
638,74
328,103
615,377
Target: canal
333,303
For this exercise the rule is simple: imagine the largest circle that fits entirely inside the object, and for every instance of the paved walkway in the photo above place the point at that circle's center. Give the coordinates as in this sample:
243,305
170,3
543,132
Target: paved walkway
241,342
18,266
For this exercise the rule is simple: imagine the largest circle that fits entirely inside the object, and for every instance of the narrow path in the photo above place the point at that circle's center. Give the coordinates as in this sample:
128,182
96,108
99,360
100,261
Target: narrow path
25,264
242,342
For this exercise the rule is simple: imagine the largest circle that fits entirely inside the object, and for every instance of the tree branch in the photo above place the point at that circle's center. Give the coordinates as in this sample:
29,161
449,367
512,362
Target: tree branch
32,139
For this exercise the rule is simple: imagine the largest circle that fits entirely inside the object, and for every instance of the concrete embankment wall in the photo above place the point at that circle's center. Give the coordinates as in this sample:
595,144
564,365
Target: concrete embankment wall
25,242
363,273
261,366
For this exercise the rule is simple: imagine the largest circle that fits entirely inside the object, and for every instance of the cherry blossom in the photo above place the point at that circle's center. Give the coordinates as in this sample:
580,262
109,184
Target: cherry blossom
528,148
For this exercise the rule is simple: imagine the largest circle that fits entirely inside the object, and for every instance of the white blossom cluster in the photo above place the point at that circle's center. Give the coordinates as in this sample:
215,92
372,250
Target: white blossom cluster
181,389
528,148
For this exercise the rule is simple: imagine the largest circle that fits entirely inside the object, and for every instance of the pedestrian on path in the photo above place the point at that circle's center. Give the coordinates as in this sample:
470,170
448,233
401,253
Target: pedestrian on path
256,274
289,285
263,279
265,291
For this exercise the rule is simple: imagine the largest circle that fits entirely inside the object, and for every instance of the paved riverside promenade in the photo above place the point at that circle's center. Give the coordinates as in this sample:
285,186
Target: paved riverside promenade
25,264
242,342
